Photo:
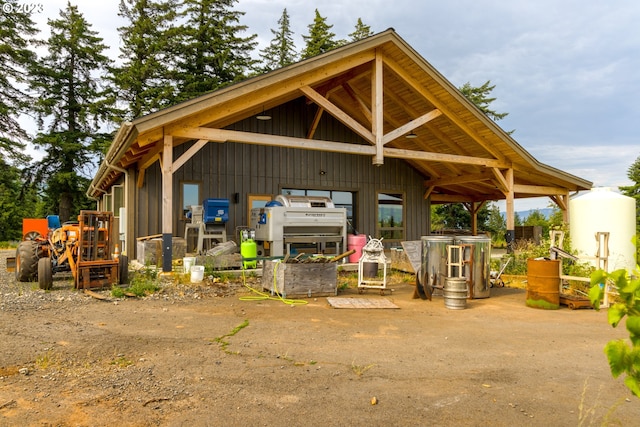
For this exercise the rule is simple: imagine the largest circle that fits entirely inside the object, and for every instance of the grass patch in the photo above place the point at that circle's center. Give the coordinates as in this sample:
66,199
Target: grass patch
222,340
360,369
47,360
142,283
121,362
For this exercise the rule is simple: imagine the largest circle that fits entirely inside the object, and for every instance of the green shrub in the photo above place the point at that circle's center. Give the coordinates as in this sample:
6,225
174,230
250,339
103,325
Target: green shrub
623,358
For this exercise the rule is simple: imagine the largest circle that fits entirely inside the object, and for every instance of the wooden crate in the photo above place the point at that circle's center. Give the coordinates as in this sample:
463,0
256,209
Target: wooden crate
300,280
149,251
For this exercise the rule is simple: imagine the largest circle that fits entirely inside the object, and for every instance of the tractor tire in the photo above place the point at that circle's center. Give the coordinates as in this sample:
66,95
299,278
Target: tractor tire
45,274
27,261
123,270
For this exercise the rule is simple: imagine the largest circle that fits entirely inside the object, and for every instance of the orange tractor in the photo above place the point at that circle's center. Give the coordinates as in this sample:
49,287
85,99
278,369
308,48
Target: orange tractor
84,248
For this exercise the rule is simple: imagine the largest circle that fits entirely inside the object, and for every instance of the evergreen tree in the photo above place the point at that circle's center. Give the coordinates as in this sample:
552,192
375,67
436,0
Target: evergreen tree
454,216
537,218
144,78
211,53
282,50
480,96
17,201
634,191
361,31
320,38
633,174
16,56
496,223
71,107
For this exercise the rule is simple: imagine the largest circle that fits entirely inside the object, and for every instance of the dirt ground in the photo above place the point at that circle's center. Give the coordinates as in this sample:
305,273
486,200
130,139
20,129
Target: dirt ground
203,357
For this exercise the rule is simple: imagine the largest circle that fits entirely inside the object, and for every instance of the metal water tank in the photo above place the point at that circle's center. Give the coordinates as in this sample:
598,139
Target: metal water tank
477,250
604,210
433,269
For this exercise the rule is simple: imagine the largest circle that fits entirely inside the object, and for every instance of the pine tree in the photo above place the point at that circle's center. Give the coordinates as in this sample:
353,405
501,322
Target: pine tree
282,50
71,107
16,56
320,38
144,78
633,173
361,31
17,201
496,223
211,53
480,97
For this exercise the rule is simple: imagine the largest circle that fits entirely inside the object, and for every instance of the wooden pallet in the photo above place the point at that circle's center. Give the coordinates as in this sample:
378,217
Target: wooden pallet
574,301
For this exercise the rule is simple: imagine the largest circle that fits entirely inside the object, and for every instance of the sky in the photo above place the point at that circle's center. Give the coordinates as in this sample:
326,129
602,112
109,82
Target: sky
567,72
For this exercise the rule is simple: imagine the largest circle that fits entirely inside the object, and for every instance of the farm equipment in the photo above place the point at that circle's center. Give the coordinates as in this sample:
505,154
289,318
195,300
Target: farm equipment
84,248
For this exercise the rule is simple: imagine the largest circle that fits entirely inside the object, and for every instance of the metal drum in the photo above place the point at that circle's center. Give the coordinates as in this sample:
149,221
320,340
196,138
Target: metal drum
477,254
433,269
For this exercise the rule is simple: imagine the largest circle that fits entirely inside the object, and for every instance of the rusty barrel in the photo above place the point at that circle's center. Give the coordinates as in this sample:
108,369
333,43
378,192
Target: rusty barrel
543,283
455,293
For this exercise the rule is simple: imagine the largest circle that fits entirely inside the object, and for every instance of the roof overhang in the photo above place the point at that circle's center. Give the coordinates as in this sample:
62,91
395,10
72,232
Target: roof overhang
382,90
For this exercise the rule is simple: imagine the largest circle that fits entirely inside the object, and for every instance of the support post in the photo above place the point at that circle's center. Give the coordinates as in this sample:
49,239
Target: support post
378,109
167,203
510,235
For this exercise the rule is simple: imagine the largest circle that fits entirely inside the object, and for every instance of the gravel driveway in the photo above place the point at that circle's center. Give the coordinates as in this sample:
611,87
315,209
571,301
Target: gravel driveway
201,356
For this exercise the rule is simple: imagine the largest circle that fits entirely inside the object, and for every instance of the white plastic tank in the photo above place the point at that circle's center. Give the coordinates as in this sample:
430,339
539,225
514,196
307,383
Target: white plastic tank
604,210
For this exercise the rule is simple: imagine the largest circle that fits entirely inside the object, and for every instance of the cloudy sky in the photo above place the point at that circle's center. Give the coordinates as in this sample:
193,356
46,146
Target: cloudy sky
566,71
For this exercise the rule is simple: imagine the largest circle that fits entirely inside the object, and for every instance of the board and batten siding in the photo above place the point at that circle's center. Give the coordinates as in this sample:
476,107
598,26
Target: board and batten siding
229,168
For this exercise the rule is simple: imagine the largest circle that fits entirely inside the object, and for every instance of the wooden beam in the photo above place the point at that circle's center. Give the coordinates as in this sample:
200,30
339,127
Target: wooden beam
559,200
539,189
501,181
461,179
338,113
402,130
315,123
562,201
364,108
450,198
223,135
474,208
428,192
439,157
398,70
189,154
145,163
228,104
377,101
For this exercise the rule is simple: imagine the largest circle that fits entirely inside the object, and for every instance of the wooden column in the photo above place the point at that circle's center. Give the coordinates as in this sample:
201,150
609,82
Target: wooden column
167,204
474,208
377,102
511,219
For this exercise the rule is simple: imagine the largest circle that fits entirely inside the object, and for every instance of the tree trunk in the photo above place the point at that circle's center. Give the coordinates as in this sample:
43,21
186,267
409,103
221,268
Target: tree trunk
66,204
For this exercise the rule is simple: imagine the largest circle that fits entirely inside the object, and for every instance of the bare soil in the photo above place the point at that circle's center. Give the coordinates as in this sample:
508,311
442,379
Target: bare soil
198,355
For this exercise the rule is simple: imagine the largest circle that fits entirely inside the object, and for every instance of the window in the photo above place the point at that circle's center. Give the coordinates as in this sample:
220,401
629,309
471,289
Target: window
391,217
190,195
341,199
118,199
107,206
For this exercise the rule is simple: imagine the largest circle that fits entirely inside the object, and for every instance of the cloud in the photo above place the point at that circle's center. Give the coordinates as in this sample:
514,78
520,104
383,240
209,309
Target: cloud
565,71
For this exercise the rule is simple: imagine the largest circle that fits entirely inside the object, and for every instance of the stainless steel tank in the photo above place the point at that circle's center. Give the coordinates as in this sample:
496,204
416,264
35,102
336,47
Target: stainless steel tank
433,269
476,253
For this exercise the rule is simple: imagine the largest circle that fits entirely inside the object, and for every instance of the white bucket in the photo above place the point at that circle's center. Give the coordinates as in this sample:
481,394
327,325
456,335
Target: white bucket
197,273
187,262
